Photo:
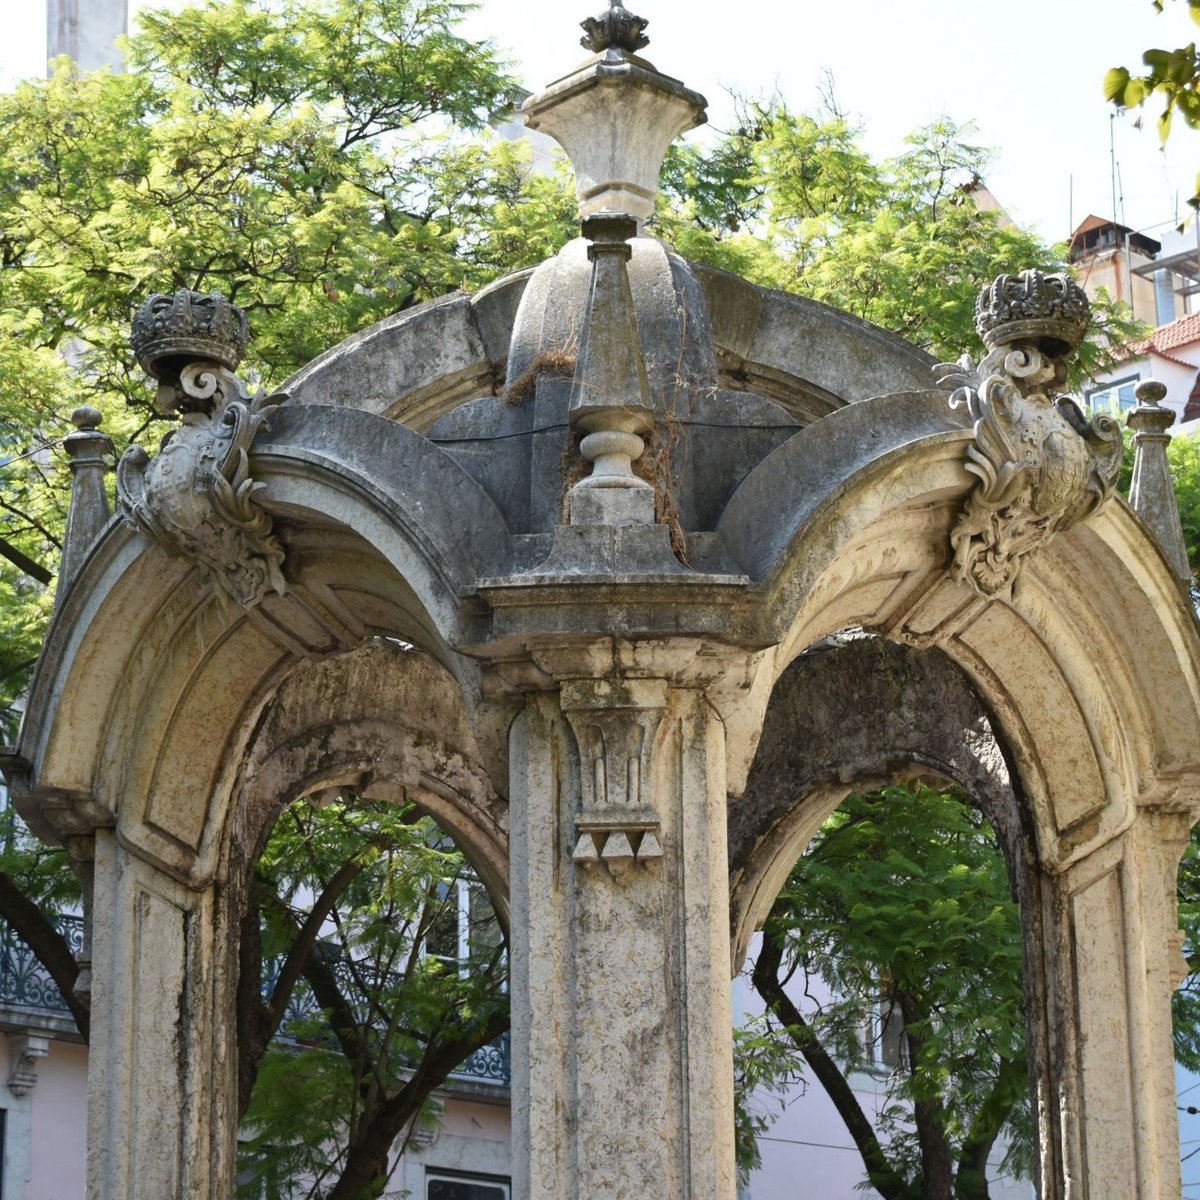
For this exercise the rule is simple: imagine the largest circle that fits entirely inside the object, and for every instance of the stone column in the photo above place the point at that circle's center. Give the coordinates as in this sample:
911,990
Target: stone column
1107,1088
161,1066
623,1080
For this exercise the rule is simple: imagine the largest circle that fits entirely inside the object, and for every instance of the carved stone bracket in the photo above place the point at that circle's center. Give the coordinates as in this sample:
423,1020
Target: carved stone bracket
25,1051
197,499
615,722
1041,465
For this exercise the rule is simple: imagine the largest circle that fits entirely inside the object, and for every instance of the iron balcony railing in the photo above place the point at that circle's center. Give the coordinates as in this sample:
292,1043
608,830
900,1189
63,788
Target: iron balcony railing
26,984
489,1064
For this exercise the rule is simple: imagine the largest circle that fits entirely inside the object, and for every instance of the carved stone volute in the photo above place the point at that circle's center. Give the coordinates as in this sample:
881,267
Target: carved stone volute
196,498
1041,465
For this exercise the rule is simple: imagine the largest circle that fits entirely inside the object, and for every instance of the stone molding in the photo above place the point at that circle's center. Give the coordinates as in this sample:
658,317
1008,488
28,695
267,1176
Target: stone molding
25,1051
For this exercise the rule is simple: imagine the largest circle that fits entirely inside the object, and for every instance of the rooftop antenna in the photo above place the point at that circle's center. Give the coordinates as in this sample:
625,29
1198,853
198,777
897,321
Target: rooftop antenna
1112,161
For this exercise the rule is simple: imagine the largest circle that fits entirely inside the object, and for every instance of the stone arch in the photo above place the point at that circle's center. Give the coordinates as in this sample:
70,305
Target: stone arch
1089,674
388,721
855,713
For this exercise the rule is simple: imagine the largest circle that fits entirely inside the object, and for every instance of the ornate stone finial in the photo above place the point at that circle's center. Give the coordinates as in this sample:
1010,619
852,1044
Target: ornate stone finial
171,331
615,117
1049,310
617,27
87,419
197,497
89,455
1040,465
610,394
1151,492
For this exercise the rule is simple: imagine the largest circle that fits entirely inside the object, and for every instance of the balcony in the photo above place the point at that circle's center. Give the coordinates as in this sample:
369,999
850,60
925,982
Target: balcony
29,998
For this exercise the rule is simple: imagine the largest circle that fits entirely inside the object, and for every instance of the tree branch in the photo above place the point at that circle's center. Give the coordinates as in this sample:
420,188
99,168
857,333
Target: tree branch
882,1176
24,563
970,1178
37,932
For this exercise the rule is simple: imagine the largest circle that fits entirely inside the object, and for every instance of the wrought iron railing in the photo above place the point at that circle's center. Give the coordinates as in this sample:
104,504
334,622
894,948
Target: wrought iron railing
24,981
301,1018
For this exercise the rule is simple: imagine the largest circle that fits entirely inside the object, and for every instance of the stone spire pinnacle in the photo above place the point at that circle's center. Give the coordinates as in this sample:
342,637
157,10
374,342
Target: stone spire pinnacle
1151,493
610,397
615,116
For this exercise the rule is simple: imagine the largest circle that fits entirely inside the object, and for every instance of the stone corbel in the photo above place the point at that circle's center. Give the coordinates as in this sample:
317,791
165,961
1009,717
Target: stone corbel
25,1050
615,722
1040,465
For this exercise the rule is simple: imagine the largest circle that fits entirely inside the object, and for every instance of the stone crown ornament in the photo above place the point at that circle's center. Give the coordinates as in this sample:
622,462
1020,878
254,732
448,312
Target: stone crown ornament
616,29
1040,465
171,331
197,497
1051,310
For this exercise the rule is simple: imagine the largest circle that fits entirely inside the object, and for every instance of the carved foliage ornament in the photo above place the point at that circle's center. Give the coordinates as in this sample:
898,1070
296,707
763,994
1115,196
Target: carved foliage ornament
1041,466
616,29
196,498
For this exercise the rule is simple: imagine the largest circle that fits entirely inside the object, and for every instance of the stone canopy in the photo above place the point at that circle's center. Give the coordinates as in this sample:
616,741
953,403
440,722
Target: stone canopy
571,562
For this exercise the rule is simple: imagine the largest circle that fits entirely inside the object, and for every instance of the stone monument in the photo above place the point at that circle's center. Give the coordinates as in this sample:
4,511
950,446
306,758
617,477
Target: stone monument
614,505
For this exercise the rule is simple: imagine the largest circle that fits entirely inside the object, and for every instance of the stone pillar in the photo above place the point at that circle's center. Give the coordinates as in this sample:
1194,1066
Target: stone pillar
161,1067
623,1082
1107,1090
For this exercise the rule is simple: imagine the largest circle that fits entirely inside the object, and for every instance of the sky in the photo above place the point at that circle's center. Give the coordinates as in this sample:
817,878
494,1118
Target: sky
1028,73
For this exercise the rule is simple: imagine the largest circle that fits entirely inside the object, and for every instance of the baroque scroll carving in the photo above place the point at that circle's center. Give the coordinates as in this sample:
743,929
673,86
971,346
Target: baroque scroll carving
1041,466
197,498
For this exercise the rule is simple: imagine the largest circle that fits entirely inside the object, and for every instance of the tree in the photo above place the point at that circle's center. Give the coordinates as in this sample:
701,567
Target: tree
794,202
901,911
1171,75
352,952
308,159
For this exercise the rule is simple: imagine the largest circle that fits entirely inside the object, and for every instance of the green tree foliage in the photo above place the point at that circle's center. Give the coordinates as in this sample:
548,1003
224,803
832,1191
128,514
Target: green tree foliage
360,965
308,158
901,910
794,202
1169,76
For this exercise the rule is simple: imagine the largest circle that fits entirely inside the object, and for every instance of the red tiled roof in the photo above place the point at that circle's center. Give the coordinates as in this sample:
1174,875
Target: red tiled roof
1175,336
1179,333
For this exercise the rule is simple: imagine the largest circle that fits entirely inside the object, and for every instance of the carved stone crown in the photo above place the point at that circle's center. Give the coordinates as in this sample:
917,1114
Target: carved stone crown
171,331
1051,310
617,28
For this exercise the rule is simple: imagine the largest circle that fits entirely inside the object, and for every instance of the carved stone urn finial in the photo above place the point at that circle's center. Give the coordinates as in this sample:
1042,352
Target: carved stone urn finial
197,498
617,27
615,117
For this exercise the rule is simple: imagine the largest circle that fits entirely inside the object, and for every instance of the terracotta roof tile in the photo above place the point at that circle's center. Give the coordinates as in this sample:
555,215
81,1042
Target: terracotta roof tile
1175,336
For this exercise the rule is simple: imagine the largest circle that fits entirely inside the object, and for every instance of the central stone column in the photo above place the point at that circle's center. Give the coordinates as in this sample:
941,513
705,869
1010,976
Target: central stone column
620,915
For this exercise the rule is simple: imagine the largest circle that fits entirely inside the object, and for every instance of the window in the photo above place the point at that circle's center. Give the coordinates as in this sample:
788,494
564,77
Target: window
883,1041
1113,398
439,1186
465,928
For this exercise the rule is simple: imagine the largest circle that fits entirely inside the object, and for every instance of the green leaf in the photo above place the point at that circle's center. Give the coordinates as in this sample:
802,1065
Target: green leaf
1135,92
1115,82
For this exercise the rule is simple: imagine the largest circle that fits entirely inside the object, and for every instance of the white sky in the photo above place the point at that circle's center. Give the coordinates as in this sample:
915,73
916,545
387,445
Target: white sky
1027,72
